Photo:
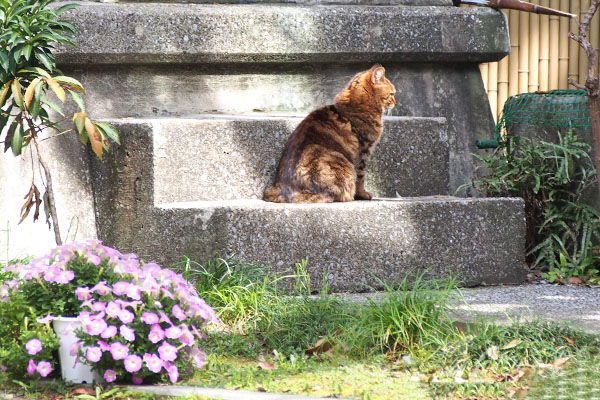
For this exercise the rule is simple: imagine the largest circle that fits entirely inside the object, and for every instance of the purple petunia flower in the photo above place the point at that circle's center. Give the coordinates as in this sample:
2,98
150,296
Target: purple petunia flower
93,354
101,288
112,309
83,293
173,332
156,334
34,346
51,273
165,318
186,336
153,362
103,345
167,352
119,351
134,292
149,318
99,306
44,368
31,367
133,363
199,357
136,379
173,372
110,375
96,327
120,287
178,313
64,277
109,332
127,333
126,316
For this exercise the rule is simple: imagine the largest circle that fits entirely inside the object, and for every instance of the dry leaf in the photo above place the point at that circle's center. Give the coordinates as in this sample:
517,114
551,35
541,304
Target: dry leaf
569,340
493,352
574,281
560,362
322,346
261,389
83,390
266,365
32,198
513,343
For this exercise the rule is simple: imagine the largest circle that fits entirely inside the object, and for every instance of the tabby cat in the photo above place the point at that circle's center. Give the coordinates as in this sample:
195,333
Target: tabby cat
325,157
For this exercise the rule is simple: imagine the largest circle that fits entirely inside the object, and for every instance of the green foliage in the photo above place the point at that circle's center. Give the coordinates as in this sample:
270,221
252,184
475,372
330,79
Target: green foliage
552,178
30,86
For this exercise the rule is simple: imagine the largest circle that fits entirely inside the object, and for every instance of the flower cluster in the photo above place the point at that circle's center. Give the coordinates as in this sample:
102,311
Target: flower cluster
44,368
140,321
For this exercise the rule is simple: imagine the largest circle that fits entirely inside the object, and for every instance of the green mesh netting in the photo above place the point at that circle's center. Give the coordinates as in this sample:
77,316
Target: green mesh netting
560,108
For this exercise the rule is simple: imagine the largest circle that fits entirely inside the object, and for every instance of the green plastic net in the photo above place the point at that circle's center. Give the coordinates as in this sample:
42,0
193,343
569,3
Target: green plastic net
559,108
556,108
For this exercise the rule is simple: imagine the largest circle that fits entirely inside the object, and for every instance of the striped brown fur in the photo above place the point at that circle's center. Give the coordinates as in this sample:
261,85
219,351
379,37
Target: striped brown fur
325,157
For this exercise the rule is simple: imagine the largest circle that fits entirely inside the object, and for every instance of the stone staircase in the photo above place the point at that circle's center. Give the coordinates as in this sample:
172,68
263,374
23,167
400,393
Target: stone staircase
205,95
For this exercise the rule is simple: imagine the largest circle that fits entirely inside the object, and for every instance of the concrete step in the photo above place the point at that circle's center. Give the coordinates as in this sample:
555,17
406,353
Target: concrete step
235,157
142,191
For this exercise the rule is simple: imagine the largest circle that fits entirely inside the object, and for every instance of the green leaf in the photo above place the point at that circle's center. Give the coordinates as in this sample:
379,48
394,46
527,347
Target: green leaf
36,104
109,131
43,58
4,60
57,89
9,135
70,82
17,141
78,99
4,93
52,105
66,7
35,70
16,92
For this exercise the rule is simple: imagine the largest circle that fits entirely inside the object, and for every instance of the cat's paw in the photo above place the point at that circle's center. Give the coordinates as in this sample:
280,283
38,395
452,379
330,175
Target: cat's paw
364,195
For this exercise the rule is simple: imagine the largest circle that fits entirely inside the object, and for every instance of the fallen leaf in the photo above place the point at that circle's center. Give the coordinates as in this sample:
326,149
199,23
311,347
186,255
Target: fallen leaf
266,365
493,352
569,340
323,345
261,389
83,390
574,281
513,343
560,362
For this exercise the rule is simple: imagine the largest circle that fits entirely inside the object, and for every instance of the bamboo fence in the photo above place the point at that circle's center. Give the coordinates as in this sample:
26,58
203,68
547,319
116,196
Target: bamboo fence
542,56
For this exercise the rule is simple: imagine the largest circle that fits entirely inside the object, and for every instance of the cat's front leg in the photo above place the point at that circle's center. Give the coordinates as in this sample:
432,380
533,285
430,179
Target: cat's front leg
361,193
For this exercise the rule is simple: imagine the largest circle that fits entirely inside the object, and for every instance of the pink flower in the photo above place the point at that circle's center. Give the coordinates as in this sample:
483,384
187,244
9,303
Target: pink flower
92,258
120,287
165,318
101,288
103,345
127,333
153,362
65,277
93,354
173,372
119,351
110,375
83,293
173,332
74,349
133,363
156,333
99,306
96,327
44,368
34,346
187,337
199,357
109,332
167,352
178,312
51,273
113,309
137,380
168,294
31,367
126,316
149,318
134,292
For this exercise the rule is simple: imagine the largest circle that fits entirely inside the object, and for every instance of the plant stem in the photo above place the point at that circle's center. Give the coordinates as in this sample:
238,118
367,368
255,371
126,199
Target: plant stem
49,190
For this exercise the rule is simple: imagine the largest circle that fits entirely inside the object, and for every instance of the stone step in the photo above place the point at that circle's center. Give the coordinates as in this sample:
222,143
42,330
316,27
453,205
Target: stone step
235,157
140,188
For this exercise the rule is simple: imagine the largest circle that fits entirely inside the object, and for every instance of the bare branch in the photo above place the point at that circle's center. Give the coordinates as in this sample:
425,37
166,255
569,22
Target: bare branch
576,84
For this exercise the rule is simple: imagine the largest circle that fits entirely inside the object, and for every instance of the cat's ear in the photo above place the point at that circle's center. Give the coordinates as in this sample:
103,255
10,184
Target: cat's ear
377,74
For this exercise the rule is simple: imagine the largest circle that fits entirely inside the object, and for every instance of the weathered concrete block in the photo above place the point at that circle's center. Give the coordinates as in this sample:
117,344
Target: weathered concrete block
480,240
198,33
235,157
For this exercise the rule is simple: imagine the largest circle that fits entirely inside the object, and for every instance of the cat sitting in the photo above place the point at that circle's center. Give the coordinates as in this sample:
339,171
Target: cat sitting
325,158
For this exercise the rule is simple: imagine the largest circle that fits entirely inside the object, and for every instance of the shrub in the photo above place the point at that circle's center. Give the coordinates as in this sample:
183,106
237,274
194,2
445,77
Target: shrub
139,321
552,178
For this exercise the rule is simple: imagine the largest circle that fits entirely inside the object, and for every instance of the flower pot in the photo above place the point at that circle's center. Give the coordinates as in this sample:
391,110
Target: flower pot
71,370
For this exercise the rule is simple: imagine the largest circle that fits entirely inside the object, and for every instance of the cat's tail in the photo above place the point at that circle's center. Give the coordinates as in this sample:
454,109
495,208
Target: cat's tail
273,194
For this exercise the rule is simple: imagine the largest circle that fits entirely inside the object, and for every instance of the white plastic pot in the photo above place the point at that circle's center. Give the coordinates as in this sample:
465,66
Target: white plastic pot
71,370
